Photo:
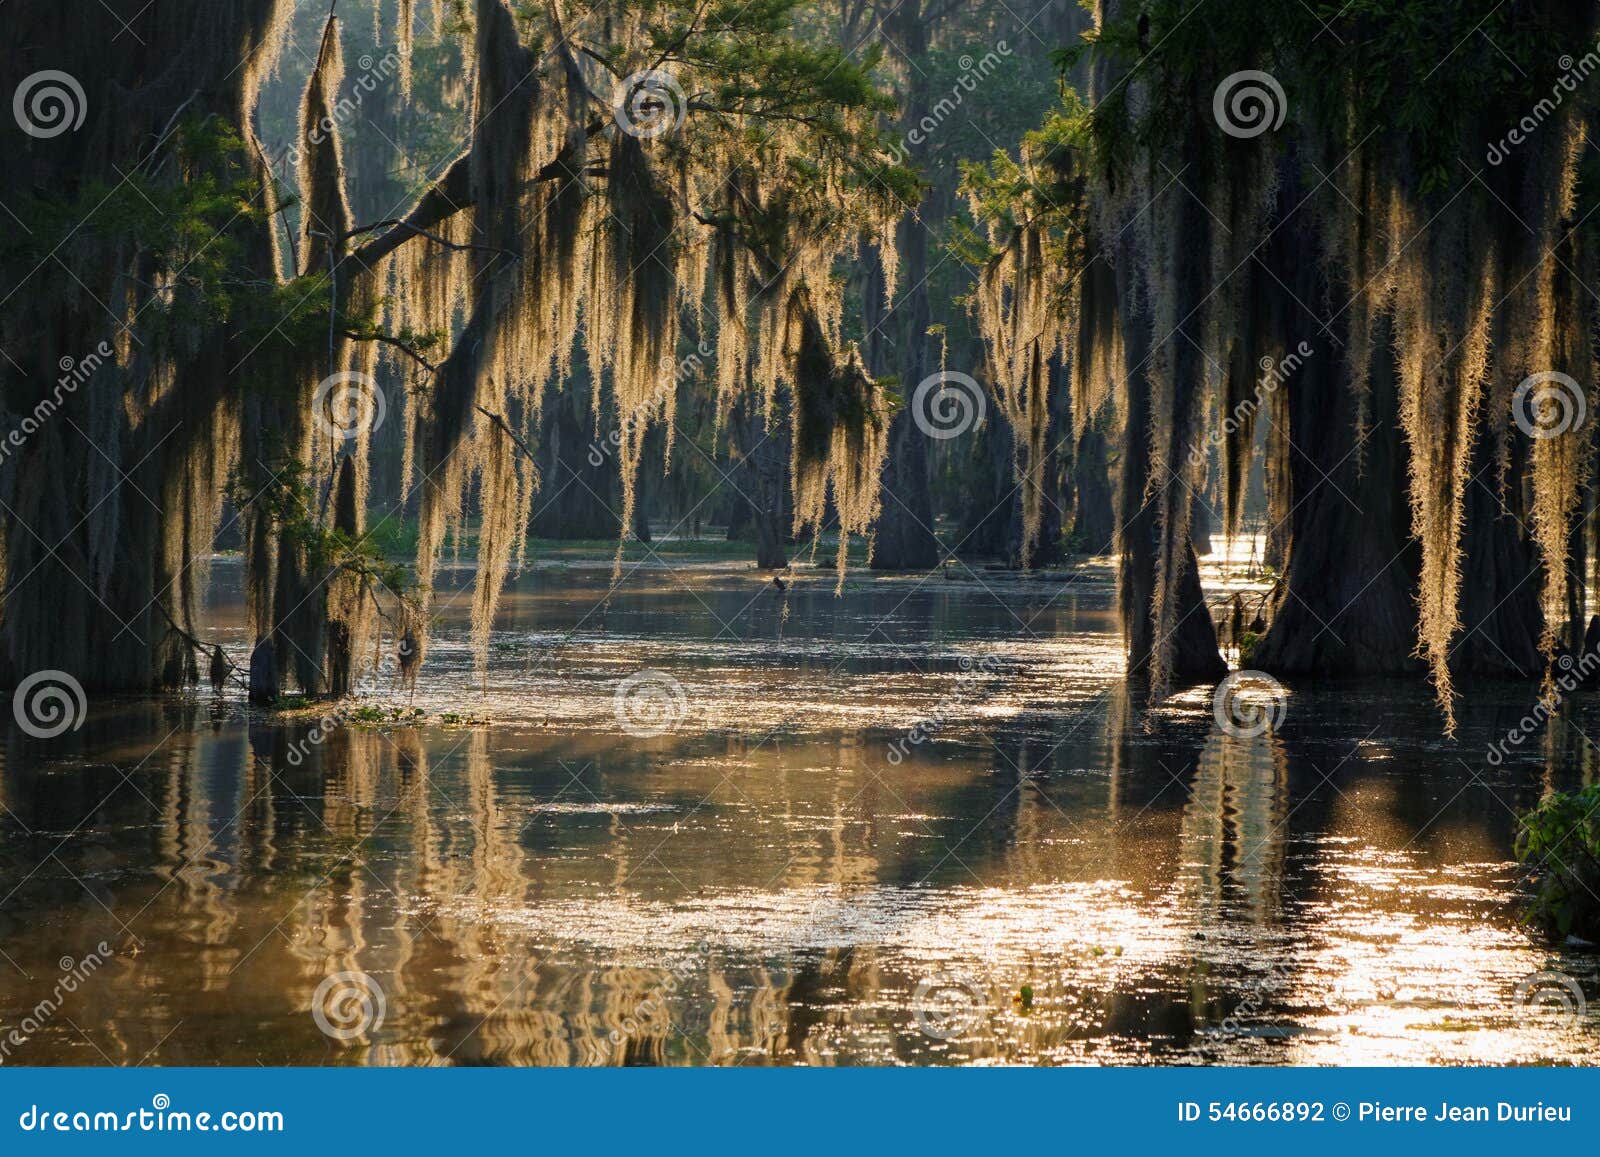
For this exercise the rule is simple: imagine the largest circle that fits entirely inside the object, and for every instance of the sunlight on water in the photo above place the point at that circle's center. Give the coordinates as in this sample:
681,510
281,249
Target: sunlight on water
918,823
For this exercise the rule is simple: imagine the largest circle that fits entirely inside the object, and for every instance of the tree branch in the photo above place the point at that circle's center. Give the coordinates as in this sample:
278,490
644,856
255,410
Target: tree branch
448,196
397,343
414,230
509,433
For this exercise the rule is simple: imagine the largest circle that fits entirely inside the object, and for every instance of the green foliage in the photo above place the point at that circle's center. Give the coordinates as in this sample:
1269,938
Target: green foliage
373,715
1429,79
291,501
185,209
1560,841
286,316
1043,187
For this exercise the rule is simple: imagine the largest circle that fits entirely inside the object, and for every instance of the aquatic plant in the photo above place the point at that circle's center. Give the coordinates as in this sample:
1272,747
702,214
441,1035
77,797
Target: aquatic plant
1559,841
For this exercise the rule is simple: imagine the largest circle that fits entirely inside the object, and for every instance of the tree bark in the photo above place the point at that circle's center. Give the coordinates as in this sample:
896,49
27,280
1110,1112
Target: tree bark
1346,601
761,482
984,526
897,342
1190,646
904,538
108,501
1501,620
578,496
1094,525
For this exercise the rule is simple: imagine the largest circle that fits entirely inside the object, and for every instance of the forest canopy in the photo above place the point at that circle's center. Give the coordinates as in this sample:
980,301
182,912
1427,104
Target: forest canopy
1320,268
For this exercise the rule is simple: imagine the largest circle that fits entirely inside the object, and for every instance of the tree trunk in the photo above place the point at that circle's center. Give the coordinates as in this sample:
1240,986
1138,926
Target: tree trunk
1188,653
761,481
984,526
1195,657
1501,621
1200,524
1346,601
897,343
577,496
1094,525
1050,547
904,538
263,674
111,504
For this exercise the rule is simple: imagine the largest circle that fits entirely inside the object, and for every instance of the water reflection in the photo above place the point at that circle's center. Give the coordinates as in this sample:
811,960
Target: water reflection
771,882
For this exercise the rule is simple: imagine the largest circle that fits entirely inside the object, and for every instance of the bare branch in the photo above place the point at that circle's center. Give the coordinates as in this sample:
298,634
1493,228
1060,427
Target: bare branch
509,433
389,340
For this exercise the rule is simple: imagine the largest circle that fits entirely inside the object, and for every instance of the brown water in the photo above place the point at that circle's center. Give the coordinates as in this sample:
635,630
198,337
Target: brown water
782,876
